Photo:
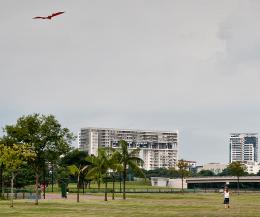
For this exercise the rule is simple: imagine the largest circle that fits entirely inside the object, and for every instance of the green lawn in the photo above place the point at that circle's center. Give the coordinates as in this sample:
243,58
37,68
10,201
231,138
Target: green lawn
150,205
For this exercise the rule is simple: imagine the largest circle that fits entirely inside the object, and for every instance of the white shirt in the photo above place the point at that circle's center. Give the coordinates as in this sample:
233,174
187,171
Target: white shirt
226,194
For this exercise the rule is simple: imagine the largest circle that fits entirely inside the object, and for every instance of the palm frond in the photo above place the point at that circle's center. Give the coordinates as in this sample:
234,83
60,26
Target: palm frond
136,169
92,173
73,169
137,160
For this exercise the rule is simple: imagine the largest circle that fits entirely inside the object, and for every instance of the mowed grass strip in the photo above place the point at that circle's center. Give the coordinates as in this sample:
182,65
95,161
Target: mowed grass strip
139,205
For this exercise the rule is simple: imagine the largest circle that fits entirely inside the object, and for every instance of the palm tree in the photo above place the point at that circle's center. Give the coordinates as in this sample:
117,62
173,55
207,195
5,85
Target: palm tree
99,166
115,166
129,159
77,171
237,169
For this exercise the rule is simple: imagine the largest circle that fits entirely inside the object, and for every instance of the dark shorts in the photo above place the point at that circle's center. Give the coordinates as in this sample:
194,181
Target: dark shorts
226,201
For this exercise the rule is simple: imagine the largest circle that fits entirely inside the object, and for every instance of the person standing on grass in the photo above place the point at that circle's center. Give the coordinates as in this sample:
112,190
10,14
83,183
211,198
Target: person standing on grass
226,197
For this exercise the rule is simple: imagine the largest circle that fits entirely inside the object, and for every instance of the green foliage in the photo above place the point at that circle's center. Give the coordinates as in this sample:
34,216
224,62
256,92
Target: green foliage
75,156
182,165
129,159
236,168
45,136
24,176
225,172
77,171
162,172
15,156
43,133
206,173
99,165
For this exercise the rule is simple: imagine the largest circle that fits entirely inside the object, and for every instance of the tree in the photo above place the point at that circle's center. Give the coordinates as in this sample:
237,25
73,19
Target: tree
44,134
129,159
13,157
77,171
206,173
182,165
237,169
162,172
1,175
99,166
75,157
115,166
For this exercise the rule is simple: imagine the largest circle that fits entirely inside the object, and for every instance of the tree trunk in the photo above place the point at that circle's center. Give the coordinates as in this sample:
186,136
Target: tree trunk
238,185
99,184
120,181
106,188
124,180
36,189
52,175
12,191
44,181
182,183
78,190
113,191
2,180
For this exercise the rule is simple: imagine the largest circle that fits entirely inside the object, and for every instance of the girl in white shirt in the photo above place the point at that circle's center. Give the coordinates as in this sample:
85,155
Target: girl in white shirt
226,197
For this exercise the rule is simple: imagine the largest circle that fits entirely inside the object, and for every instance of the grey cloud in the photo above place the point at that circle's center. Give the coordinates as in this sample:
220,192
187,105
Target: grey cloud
135,64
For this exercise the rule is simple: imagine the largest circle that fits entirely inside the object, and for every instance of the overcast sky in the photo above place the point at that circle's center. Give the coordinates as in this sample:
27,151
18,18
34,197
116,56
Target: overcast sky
159,65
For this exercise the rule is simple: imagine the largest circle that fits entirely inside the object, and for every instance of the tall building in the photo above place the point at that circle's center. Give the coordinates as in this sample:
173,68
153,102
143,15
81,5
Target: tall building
243,147
157,148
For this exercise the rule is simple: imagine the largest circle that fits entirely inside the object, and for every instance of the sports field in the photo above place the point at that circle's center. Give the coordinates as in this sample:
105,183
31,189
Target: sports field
157,205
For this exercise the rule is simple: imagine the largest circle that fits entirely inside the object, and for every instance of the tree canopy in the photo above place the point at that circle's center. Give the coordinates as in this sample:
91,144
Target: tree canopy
46,137
237,169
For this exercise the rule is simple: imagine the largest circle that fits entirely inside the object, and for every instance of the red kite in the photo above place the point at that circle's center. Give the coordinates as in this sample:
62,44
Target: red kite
50,16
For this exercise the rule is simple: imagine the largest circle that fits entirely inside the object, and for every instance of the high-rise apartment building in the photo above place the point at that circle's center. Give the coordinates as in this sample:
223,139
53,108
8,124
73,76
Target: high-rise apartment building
243,147
157,148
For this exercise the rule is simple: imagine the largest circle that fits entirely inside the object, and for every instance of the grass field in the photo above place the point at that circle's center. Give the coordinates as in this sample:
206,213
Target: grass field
150,205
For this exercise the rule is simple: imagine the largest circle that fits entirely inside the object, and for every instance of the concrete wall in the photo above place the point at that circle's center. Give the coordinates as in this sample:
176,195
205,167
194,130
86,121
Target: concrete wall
177,183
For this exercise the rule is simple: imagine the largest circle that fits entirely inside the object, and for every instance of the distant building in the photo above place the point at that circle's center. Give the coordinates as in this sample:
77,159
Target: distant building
159,181
243,147
252,167
214,167
158,149
191,165
167,182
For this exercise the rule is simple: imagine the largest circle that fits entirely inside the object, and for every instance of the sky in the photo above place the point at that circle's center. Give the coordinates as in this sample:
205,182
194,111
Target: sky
185,65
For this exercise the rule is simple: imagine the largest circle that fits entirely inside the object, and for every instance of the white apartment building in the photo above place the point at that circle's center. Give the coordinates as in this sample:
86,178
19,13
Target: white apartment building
157,148
243,147
252,167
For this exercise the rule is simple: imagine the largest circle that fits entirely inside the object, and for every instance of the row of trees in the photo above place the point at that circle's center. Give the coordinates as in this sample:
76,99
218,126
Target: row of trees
107,164
39,143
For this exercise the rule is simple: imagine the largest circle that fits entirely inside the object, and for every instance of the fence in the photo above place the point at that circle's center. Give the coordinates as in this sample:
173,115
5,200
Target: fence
21,194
